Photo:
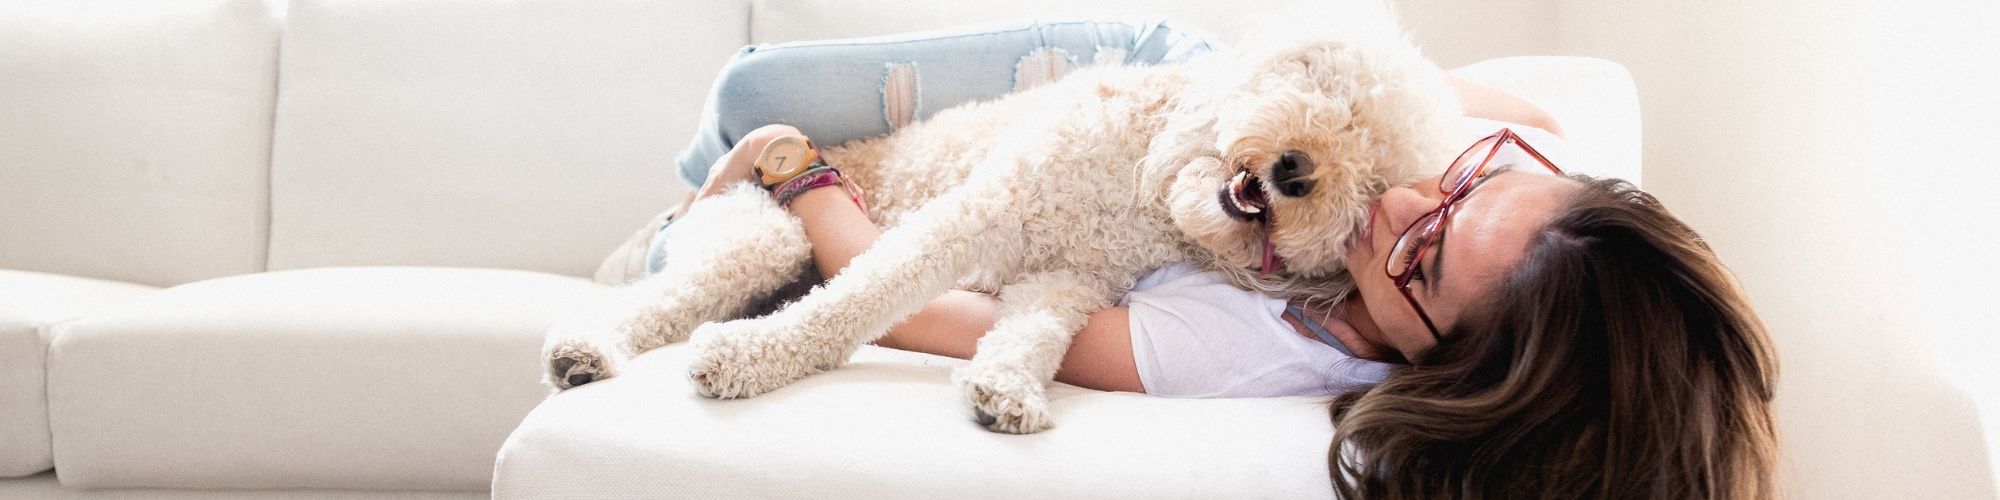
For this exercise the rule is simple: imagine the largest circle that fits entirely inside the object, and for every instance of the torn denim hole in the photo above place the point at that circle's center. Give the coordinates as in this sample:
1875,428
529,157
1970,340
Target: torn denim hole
899,94
1044,65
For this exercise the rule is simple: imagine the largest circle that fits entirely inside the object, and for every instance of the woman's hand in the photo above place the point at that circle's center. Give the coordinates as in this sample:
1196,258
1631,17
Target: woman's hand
740,163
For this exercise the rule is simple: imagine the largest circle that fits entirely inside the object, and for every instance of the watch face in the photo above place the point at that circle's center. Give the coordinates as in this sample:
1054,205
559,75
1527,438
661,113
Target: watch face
785,156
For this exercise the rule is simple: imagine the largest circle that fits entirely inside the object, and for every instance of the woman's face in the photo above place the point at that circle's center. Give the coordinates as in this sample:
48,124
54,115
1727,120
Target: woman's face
1484,238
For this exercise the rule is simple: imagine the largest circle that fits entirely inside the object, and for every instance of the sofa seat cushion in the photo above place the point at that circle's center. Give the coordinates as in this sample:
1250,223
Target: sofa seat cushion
891,425
29,303
370,378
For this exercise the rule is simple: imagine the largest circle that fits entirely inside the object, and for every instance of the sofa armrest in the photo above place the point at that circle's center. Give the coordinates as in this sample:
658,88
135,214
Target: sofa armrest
1594,100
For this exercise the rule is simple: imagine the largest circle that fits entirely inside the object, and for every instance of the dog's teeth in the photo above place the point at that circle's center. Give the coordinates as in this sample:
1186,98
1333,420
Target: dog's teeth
1236,186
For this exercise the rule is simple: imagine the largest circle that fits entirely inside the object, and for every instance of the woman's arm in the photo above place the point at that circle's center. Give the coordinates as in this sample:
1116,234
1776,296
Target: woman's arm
1099,357
1481,101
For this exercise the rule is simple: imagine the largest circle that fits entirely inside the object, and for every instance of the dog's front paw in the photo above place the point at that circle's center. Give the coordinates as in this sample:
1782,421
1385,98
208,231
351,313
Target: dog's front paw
1005,400
574,361
748,357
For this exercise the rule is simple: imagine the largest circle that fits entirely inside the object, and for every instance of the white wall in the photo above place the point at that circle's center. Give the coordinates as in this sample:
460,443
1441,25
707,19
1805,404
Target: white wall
1458,32
1834,153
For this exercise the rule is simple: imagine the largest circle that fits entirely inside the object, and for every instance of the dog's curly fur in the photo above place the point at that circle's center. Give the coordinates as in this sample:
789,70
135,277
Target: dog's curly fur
1056,198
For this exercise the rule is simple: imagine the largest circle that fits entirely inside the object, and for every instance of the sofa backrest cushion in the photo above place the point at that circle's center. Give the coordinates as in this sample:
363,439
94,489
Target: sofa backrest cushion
524,134
134,137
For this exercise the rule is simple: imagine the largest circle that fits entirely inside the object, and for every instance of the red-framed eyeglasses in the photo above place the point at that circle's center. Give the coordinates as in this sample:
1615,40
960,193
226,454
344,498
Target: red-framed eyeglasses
1416,239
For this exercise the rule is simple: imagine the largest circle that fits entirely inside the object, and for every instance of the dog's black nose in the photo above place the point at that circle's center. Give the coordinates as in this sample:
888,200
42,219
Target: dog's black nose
1293,174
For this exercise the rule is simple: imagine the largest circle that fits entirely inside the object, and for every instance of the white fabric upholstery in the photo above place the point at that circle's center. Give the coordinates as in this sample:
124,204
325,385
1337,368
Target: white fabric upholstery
45,487
1593,99
365,378
891,425
523,135
29,302
134,137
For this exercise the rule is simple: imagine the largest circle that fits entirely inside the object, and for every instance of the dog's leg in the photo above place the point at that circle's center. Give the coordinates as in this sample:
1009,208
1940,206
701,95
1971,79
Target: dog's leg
725,254
1007,380
911,263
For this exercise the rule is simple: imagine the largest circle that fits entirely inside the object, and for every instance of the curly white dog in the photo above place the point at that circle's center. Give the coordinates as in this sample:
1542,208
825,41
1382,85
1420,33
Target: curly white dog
1056,198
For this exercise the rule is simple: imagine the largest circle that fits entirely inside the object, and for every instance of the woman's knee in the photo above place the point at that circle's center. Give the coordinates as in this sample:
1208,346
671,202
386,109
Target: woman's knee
741,92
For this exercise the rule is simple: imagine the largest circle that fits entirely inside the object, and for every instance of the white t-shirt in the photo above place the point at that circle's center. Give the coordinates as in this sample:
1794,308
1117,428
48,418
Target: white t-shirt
1195,335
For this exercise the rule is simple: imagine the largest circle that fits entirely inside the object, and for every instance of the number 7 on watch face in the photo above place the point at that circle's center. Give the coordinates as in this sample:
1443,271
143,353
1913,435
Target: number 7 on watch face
784,158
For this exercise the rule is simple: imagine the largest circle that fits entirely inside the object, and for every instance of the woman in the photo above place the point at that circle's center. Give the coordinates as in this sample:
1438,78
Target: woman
1537,335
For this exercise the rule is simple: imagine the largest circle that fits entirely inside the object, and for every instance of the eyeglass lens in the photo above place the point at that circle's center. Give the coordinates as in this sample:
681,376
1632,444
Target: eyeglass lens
1461,170
1404,255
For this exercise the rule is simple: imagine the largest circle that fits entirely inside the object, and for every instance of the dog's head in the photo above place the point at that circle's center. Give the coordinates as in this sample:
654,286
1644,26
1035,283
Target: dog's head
1300,138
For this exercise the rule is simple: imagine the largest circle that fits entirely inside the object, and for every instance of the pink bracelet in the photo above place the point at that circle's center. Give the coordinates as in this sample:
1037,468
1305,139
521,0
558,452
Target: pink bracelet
815,178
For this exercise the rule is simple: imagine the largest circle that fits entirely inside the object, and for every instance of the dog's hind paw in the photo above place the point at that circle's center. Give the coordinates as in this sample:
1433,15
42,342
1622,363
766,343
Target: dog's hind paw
576,361
1005,401
748,357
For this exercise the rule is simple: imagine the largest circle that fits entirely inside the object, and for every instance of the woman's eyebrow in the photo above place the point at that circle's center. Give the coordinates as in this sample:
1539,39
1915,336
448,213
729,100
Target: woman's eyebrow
1436,273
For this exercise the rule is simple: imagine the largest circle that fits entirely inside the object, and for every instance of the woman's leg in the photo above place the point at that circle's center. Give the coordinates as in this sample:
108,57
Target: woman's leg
840,90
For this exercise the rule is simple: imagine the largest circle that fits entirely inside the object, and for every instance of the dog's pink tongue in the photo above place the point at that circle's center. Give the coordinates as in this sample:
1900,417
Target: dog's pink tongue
1271,260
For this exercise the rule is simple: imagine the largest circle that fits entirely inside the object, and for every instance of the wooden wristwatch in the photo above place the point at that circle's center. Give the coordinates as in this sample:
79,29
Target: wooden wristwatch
785,158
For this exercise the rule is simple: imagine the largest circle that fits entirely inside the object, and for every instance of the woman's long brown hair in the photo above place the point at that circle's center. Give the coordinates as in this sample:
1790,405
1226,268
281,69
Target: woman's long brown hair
1618,361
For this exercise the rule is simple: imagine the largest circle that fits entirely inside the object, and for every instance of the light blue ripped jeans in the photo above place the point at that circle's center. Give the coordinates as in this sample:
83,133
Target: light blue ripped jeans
841,90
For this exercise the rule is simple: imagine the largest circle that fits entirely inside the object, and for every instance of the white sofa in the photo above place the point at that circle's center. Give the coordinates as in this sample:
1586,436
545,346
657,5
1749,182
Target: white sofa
261,248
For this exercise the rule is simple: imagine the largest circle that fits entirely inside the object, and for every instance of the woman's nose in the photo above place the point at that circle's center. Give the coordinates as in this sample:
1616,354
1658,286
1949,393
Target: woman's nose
1402,205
